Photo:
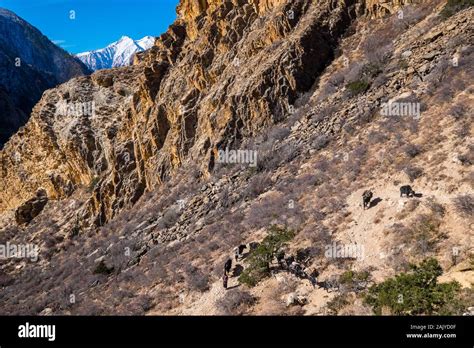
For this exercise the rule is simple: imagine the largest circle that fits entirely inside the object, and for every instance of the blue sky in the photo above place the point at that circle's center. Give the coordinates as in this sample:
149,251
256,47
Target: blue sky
97,22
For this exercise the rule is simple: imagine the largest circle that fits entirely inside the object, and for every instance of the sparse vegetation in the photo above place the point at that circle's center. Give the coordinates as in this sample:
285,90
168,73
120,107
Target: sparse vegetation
454,6
435,207
354,281
196,279
413,172
337,303
235,302
465,205
412,150
257,184
424,232
357,87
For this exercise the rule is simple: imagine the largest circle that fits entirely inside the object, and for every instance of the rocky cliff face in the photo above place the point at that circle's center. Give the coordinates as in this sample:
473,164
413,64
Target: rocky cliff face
223,71
30,64
185,98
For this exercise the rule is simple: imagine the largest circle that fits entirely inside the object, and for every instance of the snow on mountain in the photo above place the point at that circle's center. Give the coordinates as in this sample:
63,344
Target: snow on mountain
119,53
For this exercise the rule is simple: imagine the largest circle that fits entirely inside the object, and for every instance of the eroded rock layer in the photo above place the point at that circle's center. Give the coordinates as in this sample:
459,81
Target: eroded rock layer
223,71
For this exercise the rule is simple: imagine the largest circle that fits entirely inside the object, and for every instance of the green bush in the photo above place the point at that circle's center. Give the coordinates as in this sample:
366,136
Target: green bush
260,258
356,87
337,303
454,6
414,293
352,280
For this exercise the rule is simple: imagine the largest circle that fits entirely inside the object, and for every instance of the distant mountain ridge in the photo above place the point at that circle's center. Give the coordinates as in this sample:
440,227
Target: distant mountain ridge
29,64
117,54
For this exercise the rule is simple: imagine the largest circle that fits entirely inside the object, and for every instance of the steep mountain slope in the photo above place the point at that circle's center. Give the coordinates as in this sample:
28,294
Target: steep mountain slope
30,64
117,54
139,198
183,100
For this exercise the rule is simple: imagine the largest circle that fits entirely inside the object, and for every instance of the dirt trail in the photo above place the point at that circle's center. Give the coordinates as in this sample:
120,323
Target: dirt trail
367,229
205,304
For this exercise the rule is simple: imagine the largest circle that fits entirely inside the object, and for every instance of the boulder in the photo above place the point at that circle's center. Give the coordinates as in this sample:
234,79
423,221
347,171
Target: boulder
31,208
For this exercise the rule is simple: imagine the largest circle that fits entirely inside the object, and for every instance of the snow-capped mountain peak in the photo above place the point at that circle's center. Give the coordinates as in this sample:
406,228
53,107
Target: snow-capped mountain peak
118,53
146,42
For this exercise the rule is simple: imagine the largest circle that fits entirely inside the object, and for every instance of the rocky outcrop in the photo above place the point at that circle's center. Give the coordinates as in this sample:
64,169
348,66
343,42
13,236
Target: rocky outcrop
31,208
30,64
182,99
380,8
224,71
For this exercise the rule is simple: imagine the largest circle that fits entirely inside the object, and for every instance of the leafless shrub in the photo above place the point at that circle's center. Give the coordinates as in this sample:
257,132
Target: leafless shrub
408,208
262,213
336,204
354,73
470,178
462,131
380,81
413,172
412,150
359,152
8,233
322,113
278,133
196,279
169,218
257,184
352,168
224,197
270,158
376,137
303,99
464,205
337,79
90,308
467,158
435,207
424,232
235,302
412,14
445,94
322,165
319,142
378,47
436,75
5,279
331,86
